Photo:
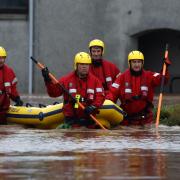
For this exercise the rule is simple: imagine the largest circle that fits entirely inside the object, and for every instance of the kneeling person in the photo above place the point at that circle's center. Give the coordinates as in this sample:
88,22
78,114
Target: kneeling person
8,89
83,86
135,89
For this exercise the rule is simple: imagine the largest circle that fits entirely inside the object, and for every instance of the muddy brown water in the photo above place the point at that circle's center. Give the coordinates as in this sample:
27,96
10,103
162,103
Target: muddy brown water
79,154
126,153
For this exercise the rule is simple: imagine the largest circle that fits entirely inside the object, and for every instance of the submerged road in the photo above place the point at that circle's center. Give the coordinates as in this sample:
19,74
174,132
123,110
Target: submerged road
126,153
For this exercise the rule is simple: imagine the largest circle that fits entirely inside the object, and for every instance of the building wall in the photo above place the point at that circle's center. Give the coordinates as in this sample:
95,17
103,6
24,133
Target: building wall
14,38
64,27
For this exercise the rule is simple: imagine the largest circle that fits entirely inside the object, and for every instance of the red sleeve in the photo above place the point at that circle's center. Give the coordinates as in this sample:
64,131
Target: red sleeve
157,77
116,70
14,92
54,90
99,94
114,91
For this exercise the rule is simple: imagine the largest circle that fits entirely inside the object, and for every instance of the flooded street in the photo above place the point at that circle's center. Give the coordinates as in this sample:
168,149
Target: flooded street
126,153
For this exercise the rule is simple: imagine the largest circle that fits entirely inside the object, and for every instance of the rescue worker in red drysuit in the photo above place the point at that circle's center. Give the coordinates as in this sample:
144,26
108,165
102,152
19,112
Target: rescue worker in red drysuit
135,89
82,85
104,70
8,89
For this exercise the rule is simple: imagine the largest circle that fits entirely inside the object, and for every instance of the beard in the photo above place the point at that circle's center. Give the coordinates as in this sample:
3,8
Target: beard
82,75
97,62
136,73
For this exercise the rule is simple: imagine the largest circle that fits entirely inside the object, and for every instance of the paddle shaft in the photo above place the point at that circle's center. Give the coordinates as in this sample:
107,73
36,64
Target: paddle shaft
41,66
161,88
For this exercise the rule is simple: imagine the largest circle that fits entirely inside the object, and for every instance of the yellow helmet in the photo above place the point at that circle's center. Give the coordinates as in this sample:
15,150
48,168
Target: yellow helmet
133,55
2,52
82,57
96,42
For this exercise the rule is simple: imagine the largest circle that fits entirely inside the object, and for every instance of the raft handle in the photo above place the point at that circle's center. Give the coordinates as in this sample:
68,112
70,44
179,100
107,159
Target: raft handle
28,105
55,103
42,105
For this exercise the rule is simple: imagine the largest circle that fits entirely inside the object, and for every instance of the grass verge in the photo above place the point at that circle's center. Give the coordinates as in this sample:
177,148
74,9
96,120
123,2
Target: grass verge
170,115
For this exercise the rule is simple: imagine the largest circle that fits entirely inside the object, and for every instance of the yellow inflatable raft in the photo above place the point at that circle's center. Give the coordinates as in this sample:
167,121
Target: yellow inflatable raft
52,116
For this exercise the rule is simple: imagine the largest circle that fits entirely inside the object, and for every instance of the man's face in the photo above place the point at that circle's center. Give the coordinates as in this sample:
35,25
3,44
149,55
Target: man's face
136,65
96,53
2,60
82,69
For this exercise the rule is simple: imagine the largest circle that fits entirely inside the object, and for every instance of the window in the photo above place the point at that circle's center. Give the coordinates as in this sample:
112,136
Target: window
14,6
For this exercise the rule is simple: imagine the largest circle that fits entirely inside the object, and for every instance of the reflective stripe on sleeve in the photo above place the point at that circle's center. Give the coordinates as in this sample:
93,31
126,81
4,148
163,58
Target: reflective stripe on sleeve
90,91
99,90
144,88
72,90
7,84
115,85
14,80
156,74
108,79
118,74
127,90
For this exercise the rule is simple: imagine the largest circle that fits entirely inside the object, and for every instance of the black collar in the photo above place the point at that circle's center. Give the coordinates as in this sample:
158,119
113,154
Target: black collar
136,73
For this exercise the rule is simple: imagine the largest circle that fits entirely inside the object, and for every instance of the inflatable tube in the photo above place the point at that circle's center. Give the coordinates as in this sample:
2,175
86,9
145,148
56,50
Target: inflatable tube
52,116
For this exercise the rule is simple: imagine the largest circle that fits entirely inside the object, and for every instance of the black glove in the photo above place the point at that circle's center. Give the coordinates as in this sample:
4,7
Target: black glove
45,74
73,100
89,109
18,101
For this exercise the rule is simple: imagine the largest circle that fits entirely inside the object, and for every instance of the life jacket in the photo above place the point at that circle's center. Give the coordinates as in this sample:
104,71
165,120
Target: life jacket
74,87
90,91
106,73
143,86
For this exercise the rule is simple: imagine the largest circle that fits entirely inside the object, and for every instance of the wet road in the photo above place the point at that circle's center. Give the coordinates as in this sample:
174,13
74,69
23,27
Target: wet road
126,153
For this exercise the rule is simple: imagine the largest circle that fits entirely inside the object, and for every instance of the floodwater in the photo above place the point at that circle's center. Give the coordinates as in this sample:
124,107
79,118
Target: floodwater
126,153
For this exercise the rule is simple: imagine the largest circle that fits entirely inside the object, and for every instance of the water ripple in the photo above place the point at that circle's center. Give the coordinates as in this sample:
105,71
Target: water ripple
30,140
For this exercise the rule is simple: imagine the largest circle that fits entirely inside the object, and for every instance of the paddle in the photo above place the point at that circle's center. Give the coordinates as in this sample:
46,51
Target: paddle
162,87
41,66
